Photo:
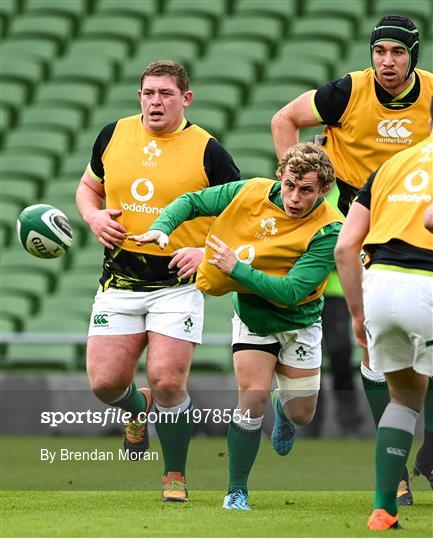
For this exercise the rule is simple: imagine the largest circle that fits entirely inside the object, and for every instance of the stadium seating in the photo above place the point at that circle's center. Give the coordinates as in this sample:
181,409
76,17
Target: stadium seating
418,10
182,51
107,49
299,71
324,28
43,50
227,96
110,113
126,29
310,48
20,69
212,10
359,58
232,69
352,10
59,118
211,118
276,95
252,165
184,27
34,166
98,71
58,29
240,141
72,9
283,10
255,51
265,29
143,10
425,60
80,95
8,9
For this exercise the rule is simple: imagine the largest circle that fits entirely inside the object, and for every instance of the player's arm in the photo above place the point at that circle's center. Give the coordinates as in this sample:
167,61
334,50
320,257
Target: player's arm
309,271
348,260
287,122
207,202
90,197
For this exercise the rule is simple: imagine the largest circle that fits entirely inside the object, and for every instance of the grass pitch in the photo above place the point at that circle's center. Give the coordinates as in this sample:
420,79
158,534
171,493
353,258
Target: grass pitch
323,489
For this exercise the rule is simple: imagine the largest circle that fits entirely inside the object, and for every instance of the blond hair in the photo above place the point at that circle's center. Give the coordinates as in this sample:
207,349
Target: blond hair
303,158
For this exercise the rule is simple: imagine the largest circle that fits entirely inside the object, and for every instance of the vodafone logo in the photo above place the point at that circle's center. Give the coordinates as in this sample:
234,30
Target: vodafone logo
414,183
142,190
149,186
245,254
394,131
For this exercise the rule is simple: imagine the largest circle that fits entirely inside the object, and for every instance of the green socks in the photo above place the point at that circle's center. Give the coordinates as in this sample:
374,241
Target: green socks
132,401
376,392
243,446
393,443
175,431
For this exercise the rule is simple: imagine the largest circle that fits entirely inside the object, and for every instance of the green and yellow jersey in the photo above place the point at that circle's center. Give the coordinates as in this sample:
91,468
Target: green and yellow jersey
282,263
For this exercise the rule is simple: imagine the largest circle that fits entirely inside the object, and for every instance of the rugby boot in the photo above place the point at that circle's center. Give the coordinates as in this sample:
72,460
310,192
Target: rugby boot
380,520
284,432
174,487
236,499
136,433
404,494
424,466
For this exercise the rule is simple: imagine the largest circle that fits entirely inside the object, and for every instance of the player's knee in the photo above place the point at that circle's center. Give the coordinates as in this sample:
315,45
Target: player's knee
168,384
108,391
302,417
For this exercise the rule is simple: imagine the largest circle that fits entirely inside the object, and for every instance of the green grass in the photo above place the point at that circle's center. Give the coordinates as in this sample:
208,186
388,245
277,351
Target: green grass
324,488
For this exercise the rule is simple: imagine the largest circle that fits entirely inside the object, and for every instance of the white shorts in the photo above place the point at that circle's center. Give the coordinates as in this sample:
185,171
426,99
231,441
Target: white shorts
174,311
299,348
399,320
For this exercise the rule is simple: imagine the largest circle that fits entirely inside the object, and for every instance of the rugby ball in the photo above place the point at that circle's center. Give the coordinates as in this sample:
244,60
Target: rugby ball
44,231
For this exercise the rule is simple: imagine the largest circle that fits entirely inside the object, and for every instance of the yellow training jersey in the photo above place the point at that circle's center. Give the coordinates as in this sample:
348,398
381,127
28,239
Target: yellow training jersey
401,191
261,234
369,133
145,172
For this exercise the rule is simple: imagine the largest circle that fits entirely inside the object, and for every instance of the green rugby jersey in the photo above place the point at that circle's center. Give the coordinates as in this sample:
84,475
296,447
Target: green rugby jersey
256,310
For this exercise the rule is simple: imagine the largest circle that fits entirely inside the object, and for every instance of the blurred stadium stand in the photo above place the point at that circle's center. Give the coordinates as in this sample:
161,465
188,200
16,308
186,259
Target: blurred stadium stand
68,68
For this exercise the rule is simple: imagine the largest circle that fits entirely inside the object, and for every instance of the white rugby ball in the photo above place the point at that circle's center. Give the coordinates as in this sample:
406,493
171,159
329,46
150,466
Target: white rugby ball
44,231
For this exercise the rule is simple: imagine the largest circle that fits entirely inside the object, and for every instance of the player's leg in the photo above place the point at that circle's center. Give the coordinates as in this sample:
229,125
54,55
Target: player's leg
174,324
424,459
254,369
298,378
116,341
398,309
394,440
168,363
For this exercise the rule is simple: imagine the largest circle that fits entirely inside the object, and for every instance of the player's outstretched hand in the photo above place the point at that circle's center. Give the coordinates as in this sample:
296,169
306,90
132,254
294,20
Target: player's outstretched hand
187,259
224,258
150,237
107,230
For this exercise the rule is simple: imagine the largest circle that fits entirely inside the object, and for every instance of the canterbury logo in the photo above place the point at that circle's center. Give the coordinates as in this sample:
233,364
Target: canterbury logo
394,128
396,451
100,319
